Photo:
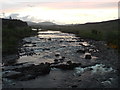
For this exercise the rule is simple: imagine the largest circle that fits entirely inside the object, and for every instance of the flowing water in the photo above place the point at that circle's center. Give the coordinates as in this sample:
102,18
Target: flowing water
43,48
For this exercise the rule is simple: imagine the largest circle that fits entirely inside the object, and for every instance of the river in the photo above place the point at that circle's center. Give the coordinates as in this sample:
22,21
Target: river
49,46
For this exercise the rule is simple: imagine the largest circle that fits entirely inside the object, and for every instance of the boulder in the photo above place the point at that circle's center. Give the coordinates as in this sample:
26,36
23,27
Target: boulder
66,66
61,41
27,71
80,51
57,55
56,61
69,62
74,86
39,69
49,39
46,49
24,67
88,56
61,60
63,57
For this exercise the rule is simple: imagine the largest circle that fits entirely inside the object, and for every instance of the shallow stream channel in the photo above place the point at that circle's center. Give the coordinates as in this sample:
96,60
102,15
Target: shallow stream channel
53,59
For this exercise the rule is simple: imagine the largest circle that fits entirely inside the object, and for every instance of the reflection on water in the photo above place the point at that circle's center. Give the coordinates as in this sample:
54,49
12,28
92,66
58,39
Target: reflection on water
54,34
49,32
43,48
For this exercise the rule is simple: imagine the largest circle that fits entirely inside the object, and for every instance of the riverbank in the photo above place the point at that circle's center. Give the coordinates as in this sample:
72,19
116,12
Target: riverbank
13,31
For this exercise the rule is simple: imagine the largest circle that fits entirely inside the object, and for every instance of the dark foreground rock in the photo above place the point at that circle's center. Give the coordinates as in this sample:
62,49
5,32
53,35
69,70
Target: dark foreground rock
68,66
88,56
12,74
26,71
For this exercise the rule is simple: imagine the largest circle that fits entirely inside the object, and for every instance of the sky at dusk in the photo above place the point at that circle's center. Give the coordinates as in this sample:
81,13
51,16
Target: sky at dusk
60,11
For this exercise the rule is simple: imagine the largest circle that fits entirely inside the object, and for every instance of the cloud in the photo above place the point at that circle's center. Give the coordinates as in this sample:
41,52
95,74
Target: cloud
24,18
13,16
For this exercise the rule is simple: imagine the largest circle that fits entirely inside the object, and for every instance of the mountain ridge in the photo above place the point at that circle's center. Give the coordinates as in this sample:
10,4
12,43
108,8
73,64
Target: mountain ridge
46,23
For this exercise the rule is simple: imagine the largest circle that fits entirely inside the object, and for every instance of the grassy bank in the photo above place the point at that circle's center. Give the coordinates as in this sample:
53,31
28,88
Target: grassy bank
11,35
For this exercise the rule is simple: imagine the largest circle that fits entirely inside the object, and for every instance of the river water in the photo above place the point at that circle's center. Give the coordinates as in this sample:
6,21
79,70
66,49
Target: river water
43,48
50,45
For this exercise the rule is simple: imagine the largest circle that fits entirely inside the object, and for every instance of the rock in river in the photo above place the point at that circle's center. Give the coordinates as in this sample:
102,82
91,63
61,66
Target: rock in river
88,56
80,51
57,54
66,66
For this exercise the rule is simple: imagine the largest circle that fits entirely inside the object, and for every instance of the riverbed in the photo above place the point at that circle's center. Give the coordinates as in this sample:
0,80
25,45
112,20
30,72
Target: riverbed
55,47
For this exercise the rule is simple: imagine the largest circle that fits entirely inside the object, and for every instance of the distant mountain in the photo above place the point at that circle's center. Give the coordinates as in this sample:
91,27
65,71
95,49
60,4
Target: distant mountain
40,23
31,23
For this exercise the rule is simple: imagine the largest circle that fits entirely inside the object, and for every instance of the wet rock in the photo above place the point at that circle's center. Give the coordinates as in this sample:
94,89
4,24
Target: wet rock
63,46
63,57
24,67
12,74
41,38
70,41
66,66
35,70
33,42
90,69
41,69
28,42
74,86
17,64
46,63
80,51
49,39
30,53
57,55
34,45
56,61
82,44
61,60
69,62
88,56
79,80
91,50
61,41
46,49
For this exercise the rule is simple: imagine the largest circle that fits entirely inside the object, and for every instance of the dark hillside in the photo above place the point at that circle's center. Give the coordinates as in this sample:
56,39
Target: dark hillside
12,32
13,22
